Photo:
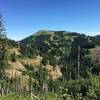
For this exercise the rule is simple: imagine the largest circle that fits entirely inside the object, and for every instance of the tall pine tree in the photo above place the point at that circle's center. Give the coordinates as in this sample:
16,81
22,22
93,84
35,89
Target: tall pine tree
3,47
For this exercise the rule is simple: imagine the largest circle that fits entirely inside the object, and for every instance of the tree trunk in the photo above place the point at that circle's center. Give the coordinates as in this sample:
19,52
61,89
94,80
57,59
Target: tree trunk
30,86
2,90
78,69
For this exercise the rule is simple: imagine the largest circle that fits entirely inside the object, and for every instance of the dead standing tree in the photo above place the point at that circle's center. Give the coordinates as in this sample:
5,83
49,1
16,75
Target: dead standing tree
78,68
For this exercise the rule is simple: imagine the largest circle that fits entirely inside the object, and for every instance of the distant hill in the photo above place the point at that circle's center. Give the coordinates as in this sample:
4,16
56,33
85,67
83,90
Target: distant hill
56,48
54,61
47,41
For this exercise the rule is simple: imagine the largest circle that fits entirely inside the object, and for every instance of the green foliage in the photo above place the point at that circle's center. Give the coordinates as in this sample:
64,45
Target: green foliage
3,50
55,48
84,42
51,96
13,57
12,43
15,97
96,69
94,89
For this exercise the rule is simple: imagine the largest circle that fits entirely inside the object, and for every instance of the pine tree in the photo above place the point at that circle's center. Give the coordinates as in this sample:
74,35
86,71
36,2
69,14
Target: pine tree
13,57
2,48
2,55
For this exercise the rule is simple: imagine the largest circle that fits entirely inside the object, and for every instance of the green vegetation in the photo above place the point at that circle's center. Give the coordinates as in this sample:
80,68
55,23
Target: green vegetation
65,69
13,97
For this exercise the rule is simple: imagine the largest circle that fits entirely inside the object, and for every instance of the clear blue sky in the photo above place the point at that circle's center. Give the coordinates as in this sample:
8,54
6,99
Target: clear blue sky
24,17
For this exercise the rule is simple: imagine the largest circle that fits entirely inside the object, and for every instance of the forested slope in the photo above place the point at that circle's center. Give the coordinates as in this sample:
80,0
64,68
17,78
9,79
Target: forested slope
52,64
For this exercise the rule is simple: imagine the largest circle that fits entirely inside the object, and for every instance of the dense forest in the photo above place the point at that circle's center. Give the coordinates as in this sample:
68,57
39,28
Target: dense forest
50,65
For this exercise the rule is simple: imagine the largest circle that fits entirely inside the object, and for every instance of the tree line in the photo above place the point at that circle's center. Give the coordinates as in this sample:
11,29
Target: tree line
80,75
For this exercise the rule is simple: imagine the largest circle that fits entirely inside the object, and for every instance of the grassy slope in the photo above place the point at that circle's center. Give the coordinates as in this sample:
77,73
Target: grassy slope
16,68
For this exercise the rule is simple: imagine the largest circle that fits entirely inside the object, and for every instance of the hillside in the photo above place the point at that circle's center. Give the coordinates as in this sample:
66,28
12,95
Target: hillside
54,48
53,61
48,41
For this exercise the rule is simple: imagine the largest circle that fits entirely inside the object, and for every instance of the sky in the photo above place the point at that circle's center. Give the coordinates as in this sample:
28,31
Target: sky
25,17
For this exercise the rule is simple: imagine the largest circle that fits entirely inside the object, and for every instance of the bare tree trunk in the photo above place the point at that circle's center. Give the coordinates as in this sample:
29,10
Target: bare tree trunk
70,74
30,86
78,69
2,90
7,91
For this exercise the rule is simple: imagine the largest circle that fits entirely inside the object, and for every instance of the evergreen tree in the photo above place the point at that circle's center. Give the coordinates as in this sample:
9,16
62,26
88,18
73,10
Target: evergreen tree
3,59
2,49
13,57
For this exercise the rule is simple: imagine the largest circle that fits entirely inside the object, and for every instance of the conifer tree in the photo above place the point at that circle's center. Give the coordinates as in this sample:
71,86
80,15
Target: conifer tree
3,62
13,57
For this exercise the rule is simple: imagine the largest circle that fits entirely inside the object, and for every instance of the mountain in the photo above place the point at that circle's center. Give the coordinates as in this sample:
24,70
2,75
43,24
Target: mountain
57,48
57,64
44,42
